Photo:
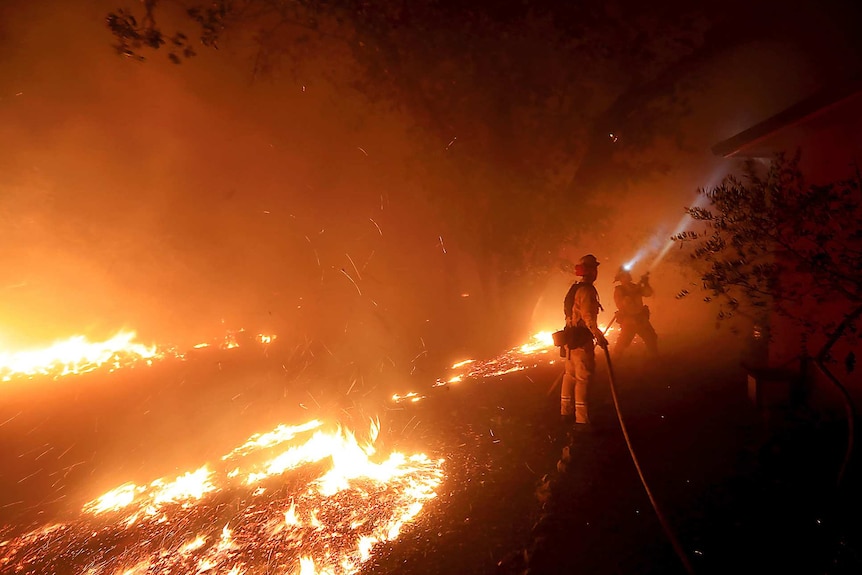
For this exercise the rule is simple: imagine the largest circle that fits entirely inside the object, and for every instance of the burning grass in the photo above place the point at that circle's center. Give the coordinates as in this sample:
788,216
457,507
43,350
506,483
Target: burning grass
78,355
303,499
300,499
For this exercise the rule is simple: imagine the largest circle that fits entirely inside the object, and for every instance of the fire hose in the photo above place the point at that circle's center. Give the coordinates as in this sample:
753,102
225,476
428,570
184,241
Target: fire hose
677,547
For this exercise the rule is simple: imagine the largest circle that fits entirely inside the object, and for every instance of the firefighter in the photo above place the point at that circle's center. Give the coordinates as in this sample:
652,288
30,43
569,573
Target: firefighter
581,307
632,314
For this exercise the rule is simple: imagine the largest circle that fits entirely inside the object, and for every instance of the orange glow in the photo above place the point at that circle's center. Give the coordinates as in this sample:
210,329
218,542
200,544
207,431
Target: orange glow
524,356
297,499
76,355
538,343
537,350
411,397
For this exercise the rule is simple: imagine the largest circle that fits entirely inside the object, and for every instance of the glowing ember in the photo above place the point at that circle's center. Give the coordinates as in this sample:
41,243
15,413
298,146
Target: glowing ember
234,339
411,397
280,503
76,355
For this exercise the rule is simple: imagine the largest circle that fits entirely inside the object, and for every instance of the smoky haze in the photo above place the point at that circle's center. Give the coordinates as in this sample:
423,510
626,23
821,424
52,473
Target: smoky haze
180,201
183,201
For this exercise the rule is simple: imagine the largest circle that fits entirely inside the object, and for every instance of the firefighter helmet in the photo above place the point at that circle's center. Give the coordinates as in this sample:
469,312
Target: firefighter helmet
589,261
623,275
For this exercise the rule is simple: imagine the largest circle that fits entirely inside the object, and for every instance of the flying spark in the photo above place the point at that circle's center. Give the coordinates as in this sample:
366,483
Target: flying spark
379,231
358,275
351,281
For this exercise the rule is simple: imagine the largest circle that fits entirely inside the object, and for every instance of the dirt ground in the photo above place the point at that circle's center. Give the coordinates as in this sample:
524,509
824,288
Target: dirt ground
736,488
740,489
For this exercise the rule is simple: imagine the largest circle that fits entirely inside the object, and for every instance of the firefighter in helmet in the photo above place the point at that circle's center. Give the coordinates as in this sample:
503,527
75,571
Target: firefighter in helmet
581,307
632,314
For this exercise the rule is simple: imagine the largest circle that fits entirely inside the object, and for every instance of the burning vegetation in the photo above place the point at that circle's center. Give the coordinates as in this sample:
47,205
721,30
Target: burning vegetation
388,186
298,499
310,498
77,354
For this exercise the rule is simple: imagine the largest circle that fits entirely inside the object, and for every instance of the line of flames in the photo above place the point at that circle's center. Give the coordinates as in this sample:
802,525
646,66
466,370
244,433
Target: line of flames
78,355
538,350
257,511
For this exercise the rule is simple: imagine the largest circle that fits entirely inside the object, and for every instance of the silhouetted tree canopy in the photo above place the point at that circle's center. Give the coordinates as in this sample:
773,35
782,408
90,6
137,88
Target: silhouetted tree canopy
524,110
507,92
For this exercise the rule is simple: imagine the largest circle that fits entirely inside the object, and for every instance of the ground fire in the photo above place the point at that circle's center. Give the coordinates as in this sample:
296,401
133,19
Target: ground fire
309,498
303,499
77,354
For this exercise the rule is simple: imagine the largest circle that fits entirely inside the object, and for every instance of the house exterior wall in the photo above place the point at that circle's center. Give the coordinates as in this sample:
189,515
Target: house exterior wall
830,143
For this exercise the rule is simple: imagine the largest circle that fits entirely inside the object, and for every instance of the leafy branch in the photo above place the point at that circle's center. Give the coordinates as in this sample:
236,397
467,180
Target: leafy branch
770,241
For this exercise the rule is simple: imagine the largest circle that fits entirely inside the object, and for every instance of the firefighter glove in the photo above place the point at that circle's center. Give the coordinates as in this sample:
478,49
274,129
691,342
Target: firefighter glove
601,341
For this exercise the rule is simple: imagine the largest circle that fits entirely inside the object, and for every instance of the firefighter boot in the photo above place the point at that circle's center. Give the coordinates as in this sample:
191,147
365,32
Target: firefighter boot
564,430
582,419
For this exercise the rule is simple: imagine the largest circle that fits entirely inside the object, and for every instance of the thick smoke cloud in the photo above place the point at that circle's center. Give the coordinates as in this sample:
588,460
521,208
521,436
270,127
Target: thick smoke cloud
182,201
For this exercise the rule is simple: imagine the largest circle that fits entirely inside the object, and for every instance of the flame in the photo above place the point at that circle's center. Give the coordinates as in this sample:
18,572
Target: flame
524,356
538,343
538,349
76,355
281,502
411,397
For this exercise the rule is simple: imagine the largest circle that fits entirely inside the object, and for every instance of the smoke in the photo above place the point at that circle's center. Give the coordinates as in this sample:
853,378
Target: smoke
180,201
183,201
646,188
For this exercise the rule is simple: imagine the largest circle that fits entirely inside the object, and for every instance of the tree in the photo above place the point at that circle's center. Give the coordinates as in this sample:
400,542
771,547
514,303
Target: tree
504,95
773,244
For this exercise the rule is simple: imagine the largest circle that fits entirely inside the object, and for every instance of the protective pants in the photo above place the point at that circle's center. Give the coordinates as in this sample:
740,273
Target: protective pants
580,367
629,328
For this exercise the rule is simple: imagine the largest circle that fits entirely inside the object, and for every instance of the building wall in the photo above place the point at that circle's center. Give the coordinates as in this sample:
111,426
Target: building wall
831,146
830,142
